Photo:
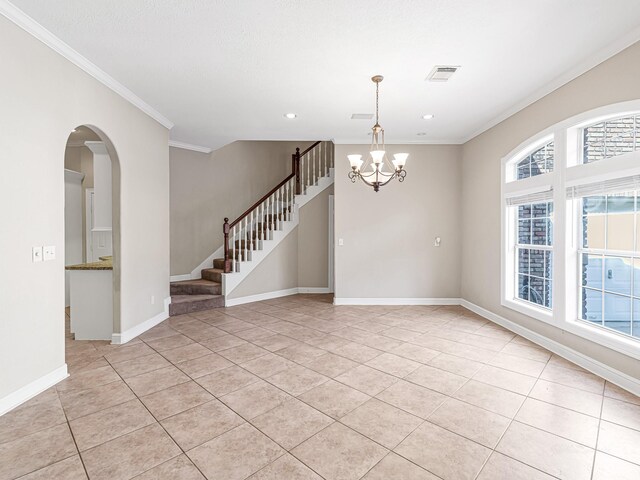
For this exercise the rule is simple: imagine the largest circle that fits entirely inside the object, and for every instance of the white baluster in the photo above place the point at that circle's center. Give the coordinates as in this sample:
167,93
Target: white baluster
287,214
263,228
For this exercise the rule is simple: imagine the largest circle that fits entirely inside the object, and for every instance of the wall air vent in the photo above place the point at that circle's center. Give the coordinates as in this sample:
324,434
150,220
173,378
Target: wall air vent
442,73
362,116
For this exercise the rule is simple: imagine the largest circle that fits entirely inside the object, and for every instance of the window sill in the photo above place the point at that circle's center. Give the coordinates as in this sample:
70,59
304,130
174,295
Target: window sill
611,340
625,345
539,313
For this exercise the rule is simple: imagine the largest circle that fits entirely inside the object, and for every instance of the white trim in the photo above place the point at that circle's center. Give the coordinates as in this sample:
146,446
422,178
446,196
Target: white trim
314,290
189,146
32,27
396,301
230,302
331,243
207,263
73,176
133,332
32,389
608,373
593,61
180,278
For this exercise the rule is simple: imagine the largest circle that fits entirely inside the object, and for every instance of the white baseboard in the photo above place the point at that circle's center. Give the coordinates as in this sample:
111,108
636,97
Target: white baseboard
396,301
614,376
179,278
32,389
313,290
128,335
230,302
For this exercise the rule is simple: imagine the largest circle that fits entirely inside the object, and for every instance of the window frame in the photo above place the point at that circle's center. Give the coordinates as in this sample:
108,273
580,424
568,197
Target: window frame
569,171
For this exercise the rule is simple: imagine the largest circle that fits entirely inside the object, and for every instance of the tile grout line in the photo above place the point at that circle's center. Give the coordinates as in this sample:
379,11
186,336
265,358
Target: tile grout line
513,419
595,450
163,429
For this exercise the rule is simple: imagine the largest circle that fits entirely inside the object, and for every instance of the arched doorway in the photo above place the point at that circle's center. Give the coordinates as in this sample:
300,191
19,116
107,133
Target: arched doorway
92,235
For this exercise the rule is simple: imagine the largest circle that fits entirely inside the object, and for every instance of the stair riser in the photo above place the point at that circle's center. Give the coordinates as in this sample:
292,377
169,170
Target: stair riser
196,289
212,276
218,263
190,307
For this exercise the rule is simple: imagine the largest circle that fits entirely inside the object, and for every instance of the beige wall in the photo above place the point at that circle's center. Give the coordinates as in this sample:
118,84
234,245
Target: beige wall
44,97
278,271
207,188
615,80
301,259
388,249
313,242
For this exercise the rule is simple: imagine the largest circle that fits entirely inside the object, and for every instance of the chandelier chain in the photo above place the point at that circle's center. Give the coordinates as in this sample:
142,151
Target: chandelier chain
377,89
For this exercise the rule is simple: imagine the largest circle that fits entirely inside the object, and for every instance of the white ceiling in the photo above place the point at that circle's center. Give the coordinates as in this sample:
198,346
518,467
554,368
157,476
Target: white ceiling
226,70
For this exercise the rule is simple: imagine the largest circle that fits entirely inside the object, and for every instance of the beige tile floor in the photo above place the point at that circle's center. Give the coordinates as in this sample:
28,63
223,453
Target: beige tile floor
296,388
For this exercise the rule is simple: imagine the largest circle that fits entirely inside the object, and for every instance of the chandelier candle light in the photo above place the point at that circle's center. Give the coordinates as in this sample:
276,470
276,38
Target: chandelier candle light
376,175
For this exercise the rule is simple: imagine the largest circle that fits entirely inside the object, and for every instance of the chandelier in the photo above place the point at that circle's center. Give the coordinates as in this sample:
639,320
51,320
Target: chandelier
377,170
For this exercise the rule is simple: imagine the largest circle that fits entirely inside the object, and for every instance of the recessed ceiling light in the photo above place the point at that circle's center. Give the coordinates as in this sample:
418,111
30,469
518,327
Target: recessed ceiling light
427,116
290,115
421,134
362,116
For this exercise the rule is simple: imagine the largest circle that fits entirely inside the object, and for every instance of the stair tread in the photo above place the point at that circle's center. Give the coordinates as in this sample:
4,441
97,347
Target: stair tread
213,270
192,298
197,281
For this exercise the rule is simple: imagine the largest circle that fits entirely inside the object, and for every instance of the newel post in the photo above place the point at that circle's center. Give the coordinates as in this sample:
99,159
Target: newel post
296,169
227,261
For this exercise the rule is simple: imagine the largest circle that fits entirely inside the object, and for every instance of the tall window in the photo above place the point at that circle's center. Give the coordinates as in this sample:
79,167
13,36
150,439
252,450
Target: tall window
528,271
534,253
610,261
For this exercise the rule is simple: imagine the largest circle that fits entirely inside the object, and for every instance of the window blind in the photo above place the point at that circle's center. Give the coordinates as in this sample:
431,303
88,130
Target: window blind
606,186
531,197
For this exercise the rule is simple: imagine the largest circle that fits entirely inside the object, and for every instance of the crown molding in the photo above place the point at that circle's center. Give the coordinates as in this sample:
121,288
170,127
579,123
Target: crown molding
426,141
188,146
32,27
593,61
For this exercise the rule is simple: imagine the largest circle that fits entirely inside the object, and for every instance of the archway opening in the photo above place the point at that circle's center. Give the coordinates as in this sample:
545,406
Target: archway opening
92,236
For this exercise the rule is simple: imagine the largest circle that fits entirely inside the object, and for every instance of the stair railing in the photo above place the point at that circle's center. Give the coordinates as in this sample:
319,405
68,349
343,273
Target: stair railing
248,232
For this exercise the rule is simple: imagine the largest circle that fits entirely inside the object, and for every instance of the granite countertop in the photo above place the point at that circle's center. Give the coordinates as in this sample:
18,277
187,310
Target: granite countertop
105,263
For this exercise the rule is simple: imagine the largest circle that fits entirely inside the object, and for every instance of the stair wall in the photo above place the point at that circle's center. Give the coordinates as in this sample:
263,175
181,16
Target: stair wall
207,187
278,271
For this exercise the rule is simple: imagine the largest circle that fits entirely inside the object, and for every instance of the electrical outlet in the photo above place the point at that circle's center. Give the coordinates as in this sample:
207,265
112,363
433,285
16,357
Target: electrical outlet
36,254
340,242
153,300
48,253
436,242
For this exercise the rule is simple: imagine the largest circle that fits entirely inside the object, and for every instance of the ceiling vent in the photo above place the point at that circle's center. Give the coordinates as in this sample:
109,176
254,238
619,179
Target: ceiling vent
442,73
362,116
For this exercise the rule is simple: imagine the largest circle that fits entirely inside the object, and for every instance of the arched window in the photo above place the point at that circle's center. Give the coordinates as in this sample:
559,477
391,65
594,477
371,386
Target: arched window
571,226
536,163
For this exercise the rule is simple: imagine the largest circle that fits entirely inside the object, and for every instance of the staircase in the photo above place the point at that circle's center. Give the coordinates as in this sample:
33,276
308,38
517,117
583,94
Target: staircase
255,233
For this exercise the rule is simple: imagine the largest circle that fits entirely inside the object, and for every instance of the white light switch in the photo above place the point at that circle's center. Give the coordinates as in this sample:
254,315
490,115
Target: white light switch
436,242
49,253
36,254
340,242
